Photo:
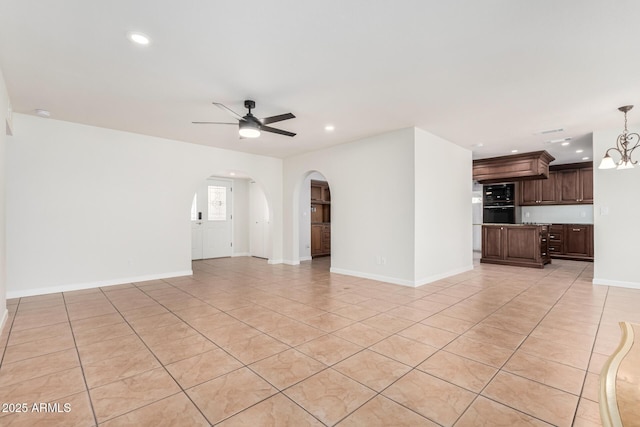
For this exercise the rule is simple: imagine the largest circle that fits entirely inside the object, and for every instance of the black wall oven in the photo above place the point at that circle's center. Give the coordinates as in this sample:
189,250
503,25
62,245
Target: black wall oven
499,204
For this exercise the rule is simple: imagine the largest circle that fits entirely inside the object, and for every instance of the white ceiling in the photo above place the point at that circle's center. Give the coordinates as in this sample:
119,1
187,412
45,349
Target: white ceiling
472,72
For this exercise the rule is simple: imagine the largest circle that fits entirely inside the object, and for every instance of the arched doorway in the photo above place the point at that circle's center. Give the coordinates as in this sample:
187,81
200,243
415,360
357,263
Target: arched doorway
315,218
230,216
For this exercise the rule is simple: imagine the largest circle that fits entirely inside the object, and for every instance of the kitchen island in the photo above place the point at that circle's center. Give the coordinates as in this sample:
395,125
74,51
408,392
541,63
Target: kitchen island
523,245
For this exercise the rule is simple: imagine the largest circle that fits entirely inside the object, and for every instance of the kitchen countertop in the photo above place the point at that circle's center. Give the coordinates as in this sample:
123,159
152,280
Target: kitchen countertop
514,225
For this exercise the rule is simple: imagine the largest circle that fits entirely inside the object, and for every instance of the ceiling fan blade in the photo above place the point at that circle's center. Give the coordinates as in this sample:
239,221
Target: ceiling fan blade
278,118
213,123
278,131
228,110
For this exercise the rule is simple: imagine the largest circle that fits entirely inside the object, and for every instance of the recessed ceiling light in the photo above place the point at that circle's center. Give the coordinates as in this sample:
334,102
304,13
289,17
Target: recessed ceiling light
564,144
43,113
329,128
553,141
544,132
139,38
232,174
514,151
480,144
585,158
579,151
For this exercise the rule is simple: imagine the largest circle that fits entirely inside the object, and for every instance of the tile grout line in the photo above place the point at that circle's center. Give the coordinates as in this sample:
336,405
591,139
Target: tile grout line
75,345
13,319
182,390
514,352
226,290
593,346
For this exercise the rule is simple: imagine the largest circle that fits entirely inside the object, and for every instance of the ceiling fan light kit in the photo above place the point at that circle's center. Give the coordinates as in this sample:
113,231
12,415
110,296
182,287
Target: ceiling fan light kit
249,126
248,129
625,144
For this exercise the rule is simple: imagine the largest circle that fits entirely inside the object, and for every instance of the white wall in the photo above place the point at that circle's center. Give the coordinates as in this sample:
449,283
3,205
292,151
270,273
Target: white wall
4,105
88,206
371,205
305,215
616,233
561,214
379,185
443,210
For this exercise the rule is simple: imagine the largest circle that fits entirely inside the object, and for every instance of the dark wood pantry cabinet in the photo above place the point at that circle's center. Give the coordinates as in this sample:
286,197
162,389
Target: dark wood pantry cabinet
320,219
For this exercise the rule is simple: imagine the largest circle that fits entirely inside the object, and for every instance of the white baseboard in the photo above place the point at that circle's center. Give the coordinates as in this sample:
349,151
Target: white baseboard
380,278
403,282
617,283
289,262
436,277
5,316
305,258
80,286
236,254
275,261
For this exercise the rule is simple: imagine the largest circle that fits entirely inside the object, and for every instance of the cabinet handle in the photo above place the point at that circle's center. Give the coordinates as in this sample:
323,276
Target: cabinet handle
544,253
552,237
575,229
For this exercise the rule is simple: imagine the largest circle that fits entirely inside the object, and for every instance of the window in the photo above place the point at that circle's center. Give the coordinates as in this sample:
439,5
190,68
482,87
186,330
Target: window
217,206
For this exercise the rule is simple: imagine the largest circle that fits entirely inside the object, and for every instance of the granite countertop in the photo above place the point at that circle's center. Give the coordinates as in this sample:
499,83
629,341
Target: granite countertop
515,225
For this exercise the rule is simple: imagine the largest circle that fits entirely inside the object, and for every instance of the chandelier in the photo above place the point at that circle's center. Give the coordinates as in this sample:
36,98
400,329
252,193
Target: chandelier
625,144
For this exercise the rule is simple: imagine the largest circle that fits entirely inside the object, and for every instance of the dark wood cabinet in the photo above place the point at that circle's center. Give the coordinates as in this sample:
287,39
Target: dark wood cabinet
586,185
567,185
518,245
556,239
529,192
576,185
320,219
492,243
516,167
578,241
539,191
571,241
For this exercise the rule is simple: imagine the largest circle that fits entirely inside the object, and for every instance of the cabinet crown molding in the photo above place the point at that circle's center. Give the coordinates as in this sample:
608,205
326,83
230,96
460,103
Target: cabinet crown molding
516,167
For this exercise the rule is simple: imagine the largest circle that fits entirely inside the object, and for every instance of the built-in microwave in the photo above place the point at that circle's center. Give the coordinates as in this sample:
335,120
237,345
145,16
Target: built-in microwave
497,194
499,204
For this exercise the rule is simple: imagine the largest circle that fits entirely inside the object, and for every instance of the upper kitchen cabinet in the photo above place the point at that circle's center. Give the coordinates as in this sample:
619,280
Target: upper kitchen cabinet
539,191
570,184
516,167
576,185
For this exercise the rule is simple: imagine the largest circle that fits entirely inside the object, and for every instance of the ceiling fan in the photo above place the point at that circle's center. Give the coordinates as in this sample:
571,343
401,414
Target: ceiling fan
250,126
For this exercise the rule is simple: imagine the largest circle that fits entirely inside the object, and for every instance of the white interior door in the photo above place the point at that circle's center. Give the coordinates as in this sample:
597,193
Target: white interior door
259,218
211,230
196,227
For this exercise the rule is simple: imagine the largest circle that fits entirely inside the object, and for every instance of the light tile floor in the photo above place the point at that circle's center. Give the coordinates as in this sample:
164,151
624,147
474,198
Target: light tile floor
243,343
